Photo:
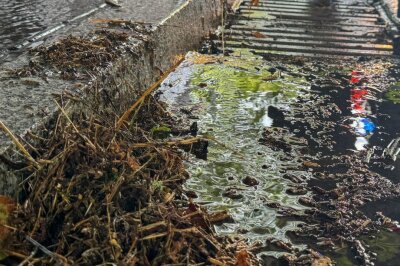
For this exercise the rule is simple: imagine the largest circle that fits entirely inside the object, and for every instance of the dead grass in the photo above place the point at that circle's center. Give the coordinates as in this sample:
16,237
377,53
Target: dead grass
108,192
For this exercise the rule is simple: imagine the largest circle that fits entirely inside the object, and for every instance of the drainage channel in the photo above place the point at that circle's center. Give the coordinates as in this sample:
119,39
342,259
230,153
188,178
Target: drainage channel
319,27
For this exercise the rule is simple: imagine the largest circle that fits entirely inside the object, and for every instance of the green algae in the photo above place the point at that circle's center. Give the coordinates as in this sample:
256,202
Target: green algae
242,78
160,131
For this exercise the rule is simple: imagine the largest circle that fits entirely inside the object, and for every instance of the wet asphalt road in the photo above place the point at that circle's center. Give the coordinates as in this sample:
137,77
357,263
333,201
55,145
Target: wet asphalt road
21,19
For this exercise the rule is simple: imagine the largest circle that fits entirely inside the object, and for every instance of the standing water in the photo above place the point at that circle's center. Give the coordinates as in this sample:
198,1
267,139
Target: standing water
284,128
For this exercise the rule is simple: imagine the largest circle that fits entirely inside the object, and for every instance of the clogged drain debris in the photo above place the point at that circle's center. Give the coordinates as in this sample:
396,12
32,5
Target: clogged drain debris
96,193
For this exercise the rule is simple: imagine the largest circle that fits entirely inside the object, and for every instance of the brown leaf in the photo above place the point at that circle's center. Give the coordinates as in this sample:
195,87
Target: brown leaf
7,204
109,21
242,258
323,261
258,34
255,2
311,164
133,163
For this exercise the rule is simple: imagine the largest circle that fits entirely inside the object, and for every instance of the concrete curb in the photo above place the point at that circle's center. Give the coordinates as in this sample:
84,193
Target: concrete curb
388,12
389,15
180,32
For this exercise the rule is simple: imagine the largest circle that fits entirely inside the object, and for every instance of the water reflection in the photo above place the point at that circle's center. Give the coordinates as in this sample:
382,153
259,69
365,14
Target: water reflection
362,124
235,100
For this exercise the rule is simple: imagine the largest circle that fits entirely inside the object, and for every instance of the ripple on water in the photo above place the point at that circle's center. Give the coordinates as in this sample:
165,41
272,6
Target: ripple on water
231,100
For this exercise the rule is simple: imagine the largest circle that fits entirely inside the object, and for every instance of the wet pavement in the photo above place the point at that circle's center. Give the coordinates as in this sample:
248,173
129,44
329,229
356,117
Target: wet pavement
22,20
295,137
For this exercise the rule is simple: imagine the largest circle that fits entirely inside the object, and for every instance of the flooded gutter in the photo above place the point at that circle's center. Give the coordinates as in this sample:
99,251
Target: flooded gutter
178,33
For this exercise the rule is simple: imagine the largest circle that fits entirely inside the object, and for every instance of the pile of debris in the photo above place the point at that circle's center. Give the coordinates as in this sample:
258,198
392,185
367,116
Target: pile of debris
98,191
77,57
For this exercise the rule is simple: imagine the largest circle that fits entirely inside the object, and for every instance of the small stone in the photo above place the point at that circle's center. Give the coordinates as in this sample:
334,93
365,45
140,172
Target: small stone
293,178
113,3
232,194
242,231
191,194
273,205
306,201
309,164
202,85
250,181
296,191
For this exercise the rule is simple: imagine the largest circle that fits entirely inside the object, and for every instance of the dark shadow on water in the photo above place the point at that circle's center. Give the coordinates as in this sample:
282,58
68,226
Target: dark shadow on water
389,207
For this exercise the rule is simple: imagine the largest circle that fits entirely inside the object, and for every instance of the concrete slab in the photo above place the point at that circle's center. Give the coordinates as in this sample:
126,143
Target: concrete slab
21,20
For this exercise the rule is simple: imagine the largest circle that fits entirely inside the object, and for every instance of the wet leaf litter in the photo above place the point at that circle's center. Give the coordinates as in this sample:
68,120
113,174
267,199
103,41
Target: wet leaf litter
305,119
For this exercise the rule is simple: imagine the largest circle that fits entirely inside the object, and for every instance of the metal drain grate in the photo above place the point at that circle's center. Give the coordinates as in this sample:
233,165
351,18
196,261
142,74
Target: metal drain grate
310,27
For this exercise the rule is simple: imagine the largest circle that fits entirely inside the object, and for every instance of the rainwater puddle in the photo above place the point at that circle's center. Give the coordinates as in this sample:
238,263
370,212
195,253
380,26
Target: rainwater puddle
385,245
231,97
236,99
